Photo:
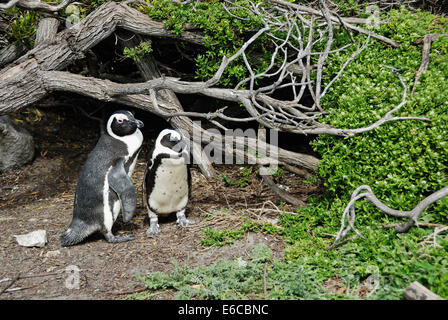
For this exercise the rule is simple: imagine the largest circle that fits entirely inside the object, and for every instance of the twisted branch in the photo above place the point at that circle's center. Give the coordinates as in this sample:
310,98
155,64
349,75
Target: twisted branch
36,5
349,215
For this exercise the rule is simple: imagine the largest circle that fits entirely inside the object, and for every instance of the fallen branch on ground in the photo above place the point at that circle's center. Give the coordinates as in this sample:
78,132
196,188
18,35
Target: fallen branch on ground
349,214
433,236
282,193
416,291
427,41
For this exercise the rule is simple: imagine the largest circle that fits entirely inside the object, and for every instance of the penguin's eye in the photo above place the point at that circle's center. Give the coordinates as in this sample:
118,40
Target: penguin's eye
120,120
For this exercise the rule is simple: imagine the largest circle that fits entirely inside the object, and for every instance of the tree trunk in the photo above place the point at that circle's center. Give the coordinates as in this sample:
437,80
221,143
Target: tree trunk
149,70
21,82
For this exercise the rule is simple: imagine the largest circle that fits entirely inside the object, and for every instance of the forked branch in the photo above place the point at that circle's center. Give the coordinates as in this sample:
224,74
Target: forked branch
365,192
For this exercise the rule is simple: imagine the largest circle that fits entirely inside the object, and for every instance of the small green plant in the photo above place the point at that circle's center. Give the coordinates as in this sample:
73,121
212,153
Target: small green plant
243,182
220,238
226,237
245,177
139,52
227,181
223,34
278,174
24,27
261,253
235,279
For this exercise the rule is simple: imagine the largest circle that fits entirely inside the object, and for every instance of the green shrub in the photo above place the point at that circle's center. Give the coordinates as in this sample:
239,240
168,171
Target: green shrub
223,34
403,161
23,27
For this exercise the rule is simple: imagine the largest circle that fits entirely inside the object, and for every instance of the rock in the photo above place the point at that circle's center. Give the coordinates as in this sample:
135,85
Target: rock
16,145
36,238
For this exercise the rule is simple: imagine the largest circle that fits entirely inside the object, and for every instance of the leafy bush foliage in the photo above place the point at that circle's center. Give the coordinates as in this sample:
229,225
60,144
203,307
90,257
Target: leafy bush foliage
23,27
404,161
223,34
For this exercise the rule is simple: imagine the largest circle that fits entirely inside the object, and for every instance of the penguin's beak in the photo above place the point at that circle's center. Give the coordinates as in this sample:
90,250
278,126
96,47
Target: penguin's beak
139,123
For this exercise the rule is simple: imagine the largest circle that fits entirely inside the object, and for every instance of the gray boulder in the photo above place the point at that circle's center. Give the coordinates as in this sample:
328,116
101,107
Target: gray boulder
16,145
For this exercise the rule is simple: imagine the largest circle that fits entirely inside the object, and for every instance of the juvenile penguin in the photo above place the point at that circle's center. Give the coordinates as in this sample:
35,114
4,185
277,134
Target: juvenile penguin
104,185
167,181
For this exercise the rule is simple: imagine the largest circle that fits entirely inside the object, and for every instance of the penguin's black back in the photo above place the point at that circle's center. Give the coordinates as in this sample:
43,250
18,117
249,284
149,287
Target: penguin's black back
89,190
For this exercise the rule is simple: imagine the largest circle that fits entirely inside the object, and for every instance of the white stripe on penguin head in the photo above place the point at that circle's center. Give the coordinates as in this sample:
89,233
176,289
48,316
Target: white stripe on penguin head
175,135
133,142
120,118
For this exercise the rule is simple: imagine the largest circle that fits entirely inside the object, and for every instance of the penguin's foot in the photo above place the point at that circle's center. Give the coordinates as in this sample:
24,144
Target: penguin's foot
118,238
153,230
184,222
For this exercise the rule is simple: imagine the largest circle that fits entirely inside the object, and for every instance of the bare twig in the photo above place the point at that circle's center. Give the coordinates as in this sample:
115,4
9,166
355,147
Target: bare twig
281,193
265,292
14,280
420,224
36,5
412,215
335,19
433,236
9,4
137,290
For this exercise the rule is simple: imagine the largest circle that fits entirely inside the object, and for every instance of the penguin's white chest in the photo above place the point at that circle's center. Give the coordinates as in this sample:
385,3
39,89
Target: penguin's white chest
133,143
170,191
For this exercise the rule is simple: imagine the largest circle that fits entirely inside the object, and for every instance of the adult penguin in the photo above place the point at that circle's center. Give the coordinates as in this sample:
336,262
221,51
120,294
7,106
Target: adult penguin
167,181
104,186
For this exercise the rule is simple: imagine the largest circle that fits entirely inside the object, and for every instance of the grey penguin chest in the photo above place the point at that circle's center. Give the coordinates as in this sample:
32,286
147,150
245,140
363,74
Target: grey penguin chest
170,190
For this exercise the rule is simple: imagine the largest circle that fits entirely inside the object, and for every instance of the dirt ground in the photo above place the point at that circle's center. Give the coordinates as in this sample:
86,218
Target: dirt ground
40,196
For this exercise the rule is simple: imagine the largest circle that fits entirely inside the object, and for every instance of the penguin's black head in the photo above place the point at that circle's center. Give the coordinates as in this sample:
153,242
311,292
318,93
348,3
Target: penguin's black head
173,140
122,123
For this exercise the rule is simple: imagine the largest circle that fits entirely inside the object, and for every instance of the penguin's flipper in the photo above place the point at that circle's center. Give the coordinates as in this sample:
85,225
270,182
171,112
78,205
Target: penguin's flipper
120,182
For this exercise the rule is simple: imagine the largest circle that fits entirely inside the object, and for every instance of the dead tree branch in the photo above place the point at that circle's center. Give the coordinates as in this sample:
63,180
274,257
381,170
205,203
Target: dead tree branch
149,70
365,192
9,4
46,30
10,53
416,291
305,9
107,91
281,193
36,5
427,41
20,83
35,72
